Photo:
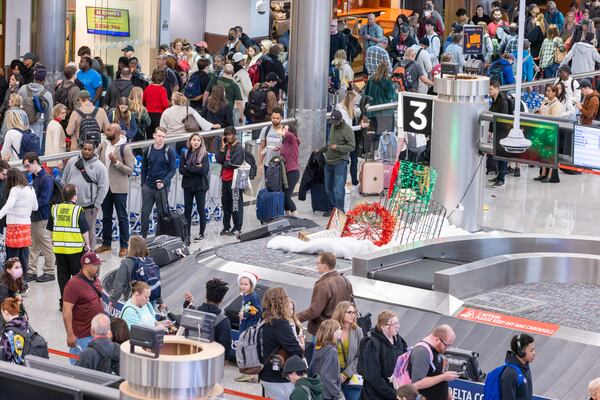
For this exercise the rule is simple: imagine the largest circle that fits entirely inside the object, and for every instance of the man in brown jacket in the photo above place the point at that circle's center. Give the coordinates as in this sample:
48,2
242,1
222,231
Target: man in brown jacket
589,108
118,158
330,289
86,107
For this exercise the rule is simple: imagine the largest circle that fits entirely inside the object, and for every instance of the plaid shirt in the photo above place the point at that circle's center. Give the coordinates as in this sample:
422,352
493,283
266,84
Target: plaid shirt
547,51
375,55
512,46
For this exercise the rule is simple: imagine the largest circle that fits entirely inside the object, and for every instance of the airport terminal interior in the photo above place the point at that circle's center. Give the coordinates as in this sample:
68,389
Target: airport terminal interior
454,185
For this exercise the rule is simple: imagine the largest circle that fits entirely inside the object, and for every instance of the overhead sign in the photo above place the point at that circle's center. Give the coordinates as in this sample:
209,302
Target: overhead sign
415,113
107,21
507,321
473,40
467,390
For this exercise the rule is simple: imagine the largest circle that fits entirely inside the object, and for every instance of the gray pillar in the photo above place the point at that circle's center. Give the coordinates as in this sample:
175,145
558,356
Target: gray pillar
455,149
49,36
308,71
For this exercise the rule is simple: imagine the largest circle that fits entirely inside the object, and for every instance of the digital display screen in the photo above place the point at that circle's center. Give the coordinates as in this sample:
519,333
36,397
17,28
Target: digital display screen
537,145
107,21
586,147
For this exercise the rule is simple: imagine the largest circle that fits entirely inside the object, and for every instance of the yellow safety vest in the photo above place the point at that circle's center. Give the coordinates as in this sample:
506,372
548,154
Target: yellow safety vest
66,233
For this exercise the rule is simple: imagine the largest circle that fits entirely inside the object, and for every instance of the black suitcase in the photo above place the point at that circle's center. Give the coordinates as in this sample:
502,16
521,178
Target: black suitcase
464,362
166,249
318,198
170,222
232,311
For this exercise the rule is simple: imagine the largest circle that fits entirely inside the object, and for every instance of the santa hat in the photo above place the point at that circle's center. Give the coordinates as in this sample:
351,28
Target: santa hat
253,278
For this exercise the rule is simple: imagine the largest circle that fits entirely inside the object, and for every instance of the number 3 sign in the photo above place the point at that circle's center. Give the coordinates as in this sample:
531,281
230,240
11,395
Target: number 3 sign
415,112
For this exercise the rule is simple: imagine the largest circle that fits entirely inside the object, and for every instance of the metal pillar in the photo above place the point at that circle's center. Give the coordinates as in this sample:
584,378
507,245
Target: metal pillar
455,149
49,36
308,71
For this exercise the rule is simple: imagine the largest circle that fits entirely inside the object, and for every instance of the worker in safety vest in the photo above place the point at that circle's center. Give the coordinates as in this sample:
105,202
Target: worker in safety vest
70,236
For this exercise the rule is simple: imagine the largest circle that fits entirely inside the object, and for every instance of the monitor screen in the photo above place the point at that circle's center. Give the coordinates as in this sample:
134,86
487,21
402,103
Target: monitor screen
16,385
538,145
107,21
72,371
586,147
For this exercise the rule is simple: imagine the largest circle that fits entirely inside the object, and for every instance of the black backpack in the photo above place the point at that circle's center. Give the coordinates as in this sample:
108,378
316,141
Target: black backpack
354,48
360,364
109,364
256,107
62,94
56,197
33,343
89,128
273,177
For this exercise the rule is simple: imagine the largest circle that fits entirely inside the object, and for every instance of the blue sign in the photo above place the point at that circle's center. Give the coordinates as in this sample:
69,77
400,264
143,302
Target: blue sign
467,390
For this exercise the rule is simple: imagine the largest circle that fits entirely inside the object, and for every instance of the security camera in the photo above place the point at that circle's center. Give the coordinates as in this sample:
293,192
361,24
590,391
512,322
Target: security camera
261,6
515,142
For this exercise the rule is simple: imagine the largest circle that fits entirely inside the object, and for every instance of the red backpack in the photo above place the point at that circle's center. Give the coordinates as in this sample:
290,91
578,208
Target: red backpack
255,72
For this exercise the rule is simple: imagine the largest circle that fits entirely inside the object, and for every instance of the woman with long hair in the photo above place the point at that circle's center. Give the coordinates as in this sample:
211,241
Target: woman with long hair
278,343
123,116
568,26
15,103
352,117
194,169
19,205
551,106
11,338
537,35
348,347
230,154
155,99
381,89
14,84
325,361
55,135
142,118
346,73
290,148
552,42
217,110
296,325
253,54
569,108
12,283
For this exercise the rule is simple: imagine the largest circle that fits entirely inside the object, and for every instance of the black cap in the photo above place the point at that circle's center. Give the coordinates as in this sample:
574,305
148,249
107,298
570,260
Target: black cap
128,48
294,364
336,115
585,83
424,40
30,56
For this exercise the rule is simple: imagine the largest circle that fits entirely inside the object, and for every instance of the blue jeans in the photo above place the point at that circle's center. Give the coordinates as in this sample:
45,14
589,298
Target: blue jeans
351,392
550,71
80,345
335,182
119,202
502,170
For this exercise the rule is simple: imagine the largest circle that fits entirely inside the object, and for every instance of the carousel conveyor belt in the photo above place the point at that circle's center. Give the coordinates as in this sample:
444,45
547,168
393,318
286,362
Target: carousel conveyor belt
416,273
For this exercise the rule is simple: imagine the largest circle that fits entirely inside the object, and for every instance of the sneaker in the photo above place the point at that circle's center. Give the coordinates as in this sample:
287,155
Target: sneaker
234,232
224,232
30,278
355,188
122,252
493,180
517,172
199,238
499,183
103,249
247,378
45,278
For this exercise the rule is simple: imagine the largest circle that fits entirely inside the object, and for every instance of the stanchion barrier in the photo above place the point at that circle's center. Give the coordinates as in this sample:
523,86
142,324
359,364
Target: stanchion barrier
225,391
578,169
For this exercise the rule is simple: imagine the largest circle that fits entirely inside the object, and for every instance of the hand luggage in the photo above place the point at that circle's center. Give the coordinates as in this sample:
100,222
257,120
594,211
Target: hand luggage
371,178
166,249
269,205
170,222
387,174
318,198
465,363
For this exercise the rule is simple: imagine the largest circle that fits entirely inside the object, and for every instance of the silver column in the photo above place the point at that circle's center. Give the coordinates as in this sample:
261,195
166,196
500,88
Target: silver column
49,35
455,148
308,71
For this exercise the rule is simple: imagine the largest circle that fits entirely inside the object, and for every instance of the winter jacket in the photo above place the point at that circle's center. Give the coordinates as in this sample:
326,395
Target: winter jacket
583,57
277,338
313,384
508,76
528,66
88,194
122,283
236,157
381,92
325,363
589,108
379,362
36,90
99,348
223,328
329,290
252,310
557,18
195,177
508,380
314,173
343,138
119,88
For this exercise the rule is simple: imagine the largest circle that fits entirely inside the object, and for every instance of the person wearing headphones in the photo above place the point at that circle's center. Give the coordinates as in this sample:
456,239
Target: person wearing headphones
515,385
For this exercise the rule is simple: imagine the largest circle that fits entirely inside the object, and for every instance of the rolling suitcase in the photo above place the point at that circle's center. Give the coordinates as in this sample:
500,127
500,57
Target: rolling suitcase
166,249
170,222
269,205
371,178
318,198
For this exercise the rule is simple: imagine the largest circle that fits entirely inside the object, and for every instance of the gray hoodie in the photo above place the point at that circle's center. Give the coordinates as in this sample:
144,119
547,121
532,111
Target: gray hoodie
36,90
87,193
325,363
583,56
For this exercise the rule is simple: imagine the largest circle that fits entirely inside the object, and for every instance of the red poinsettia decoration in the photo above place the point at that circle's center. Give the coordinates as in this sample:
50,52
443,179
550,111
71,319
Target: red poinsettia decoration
370,221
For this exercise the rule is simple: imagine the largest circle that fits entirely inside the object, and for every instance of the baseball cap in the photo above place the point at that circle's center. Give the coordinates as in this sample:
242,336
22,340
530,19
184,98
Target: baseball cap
90,258
128,48
237,57
30,56
585,83
294,364
201,43
336,115
424,40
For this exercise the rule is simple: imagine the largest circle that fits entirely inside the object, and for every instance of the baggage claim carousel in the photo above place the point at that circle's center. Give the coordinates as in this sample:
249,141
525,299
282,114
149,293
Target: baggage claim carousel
488,287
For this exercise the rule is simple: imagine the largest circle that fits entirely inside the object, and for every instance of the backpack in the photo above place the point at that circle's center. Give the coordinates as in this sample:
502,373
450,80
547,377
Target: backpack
256,107
388,147
248,350
34,105
334,79
89,128
193,87
33,344
255,72
273,177
401,375
146,270
400,78
56,197
62,94
108,364
491,390
496,71
354,48
147,153
30,142
360,364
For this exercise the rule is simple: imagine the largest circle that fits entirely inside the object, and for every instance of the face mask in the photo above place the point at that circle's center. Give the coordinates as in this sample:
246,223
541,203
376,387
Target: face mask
16,273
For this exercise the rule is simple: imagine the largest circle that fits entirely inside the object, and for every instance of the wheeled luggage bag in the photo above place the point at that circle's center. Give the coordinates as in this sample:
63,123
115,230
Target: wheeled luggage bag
371,178
170,222
166,249
318,198
269,205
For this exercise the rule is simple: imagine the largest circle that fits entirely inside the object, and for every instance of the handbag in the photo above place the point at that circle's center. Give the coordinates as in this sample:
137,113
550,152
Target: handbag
241,176
189,122
560,52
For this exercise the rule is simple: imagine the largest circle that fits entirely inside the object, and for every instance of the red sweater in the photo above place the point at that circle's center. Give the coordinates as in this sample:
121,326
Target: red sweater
155,98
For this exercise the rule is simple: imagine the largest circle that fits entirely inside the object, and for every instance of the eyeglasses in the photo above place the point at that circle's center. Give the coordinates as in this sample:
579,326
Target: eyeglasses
351,312
444,343
397,323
